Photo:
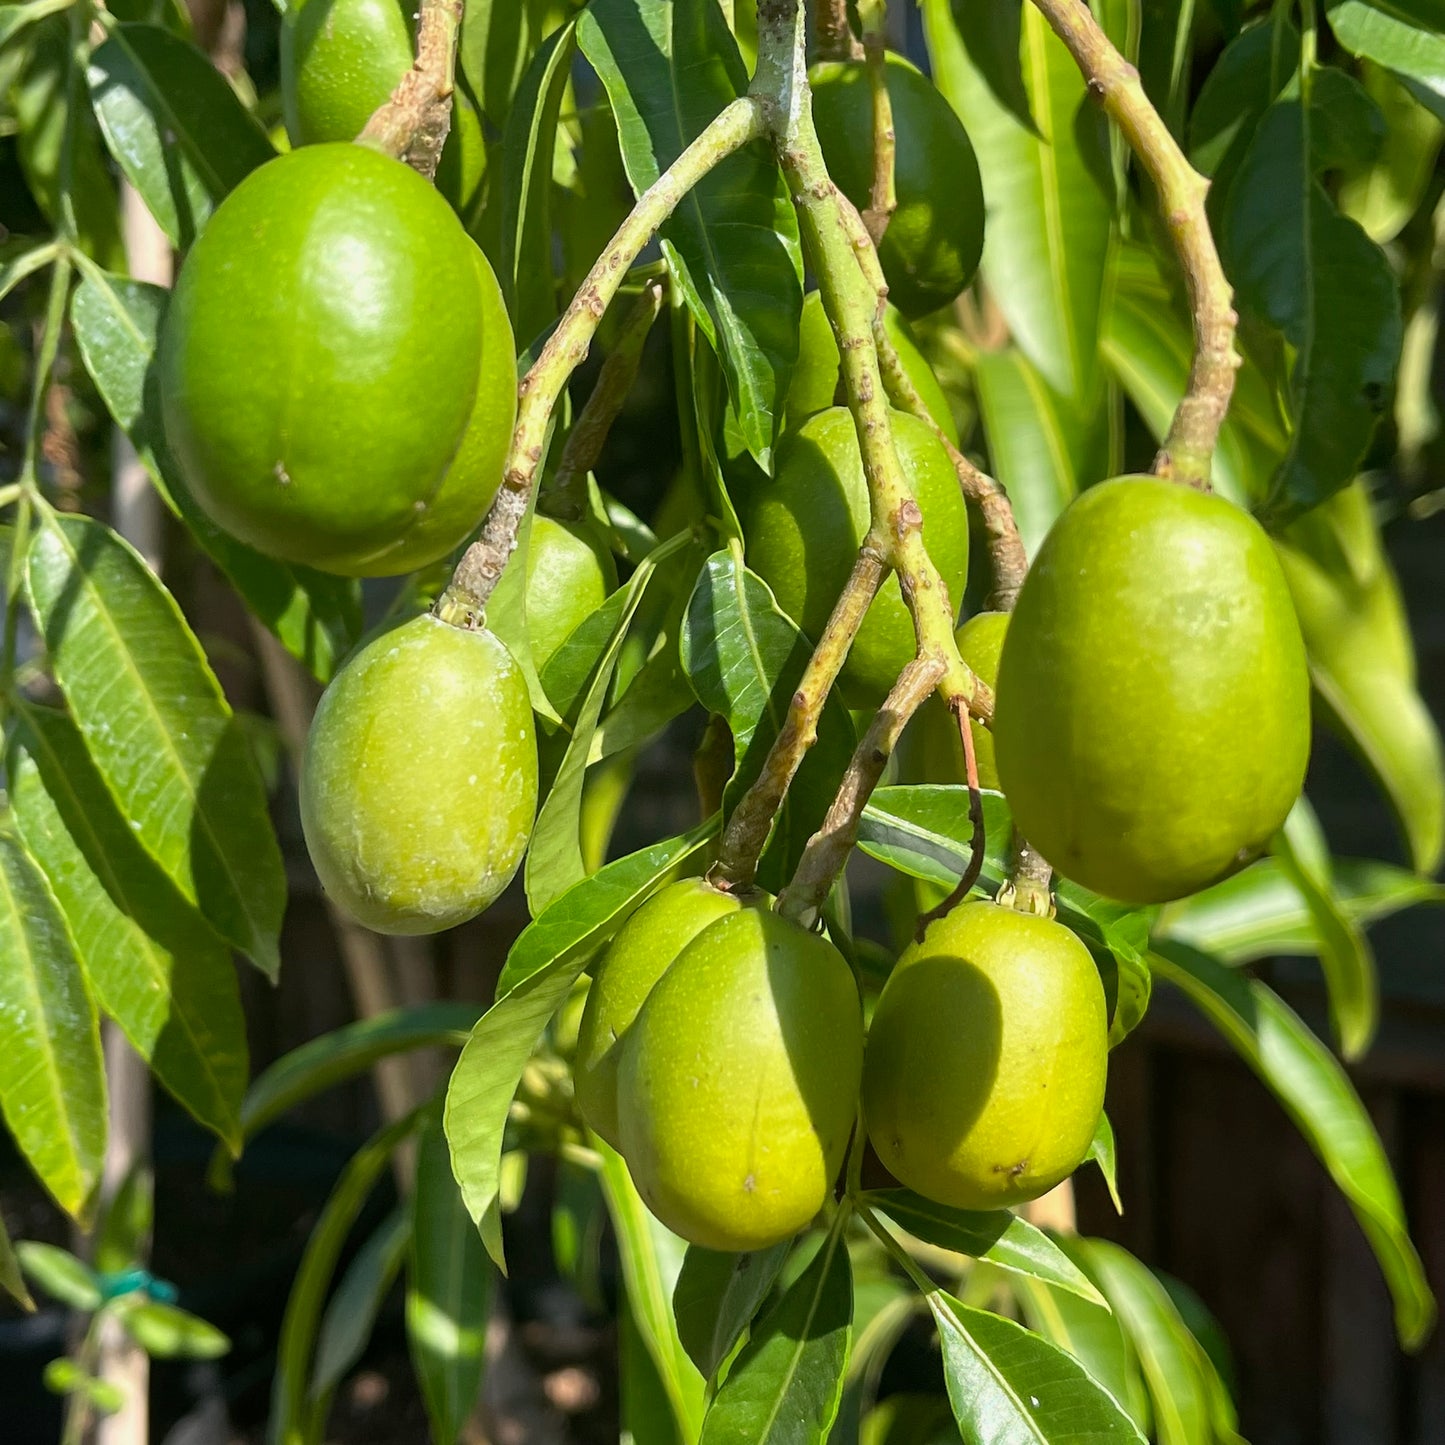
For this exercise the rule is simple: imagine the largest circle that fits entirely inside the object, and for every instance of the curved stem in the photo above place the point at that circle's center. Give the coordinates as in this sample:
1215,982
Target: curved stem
414,121
477,573
1189,444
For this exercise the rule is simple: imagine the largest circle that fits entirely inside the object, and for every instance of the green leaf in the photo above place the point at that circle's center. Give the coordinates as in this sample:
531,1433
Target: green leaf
15,17
449,1290
152,961
1259,913
11,1279
646,1413
1384,196
167,1333
995,1236
158,727
1317,1095
1408,36
1047,189
123,1236
1102,1152
539,973
716,1297
317,617
294,1416
744,659
22,262
52,1079
554,859
1182,1381
1312,275
528,144
1362,661
786,1385
351,1313
497,36
174,125
1009,1387
59,1274
1344,952
651,1263
669,67
65,1377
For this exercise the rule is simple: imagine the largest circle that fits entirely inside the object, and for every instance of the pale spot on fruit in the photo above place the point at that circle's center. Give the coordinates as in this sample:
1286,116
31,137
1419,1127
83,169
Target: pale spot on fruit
281,474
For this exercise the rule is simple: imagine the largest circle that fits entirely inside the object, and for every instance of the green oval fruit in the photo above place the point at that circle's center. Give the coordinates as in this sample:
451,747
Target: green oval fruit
570,574
419,783
804,528
1152,720
337,376
739,1082
643,950
814,386
986,1060
341,60
940,750
932,246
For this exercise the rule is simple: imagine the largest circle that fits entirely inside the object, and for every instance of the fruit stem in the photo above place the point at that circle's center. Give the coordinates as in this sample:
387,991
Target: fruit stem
978,840
883,195
834,36
566,495
413,123
1029,887
481,566
1189,444
827,851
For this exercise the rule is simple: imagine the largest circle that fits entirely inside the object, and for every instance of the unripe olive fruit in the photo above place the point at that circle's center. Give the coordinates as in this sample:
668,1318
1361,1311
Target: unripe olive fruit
570,574
739,1082
1152,719
341,60
643,950
986,1059
940,748
805,526
419,782
932,246
336,369
814,386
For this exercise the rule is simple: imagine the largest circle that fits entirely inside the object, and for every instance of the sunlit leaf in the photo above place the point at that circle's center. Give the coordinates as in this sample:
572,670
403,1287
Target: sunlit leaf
1408,36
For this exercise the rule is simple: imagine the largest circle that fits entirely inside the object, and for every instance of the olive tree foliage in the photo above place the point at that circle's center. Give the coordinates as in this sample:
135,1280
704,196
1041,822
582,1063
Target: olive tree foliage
138,862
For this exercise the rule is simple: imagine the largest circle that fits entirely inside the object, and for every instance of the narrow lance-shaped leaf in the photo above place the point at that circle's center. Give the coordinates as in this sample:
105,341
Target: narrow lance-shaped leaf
152,961
167,1333
158,727
59,1274
448,1291
52,1081
786,1385
652,1258
1317,1095
538,975
11,1280
669,67
174,125
354,1305
317,617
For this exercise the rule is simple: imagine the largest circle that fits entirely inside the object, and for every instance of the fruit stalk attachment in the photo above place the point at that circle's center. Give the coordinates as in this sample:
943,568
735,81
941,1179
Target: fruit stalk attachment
566,497
481,566
1188,446
413,124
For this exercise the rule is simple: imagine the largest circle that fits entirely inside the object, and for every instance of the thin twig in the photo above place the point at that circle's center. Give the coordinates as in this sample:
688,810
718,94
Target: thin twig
827,851
566,496
1189,444
975,817
835,38
413,123
481,566
883,194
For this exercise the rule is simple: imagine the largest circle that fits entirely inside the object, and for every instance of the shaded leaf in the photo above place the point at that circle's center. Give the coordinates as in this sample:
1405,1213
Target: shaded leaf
1102,1152
352,1310
52,1079
1317,1095
153,963
59,1274
1384,196
785,1386
1408,36
996,1236
167,1333
716,1297
174,125
158,728
11,1279
539,973
669,67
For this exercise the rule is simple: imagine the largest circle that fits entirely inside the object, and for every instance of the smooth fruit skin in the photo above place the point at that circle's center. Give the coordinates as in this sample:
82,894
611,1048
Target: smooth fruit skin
1152,719
804,528
933,243
980,644
986,1061
570,574
739,1082
419,782
814,386
337,377
643,950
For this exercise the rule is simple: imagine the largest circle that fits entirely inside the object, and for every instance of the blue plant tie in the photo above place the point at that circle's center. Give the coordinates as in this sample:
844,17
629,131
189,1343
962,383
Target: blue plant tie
136,1281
